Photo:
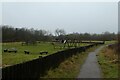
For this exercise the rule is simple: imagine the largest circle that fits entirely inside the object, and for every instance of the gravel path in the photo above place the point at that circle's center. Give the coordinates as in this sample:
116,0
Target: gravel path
90,69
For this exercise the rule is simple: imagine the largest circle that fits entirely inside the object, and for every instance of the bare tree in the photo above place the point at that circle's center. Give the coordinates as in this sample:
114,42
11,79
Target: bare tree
59,32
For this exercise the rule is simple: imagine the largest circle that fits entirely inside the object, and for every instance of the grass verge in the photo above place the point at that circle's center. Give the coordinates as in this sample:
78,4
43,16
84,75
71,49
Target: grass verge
108,60
70,68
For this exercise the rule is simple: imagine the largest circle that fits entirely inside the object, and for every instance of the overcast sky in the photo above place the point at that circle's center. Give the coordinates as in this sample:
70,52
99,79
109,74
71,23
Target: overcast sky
78,17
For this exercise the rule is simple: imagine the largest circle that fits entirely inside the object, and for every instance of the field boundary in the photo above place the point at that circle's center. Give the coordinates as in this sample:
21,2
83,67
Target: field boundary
38,67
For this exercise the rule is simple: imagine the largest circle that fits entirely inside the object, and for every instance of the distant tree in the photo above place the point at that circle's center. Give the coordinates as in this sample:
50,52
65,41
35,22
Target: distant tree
23,34
10,34
106,36
59,32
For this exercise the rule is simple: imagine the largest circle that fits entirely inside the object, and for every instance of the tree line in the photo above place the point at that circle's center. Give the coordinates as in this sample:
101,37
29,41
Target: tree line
11,34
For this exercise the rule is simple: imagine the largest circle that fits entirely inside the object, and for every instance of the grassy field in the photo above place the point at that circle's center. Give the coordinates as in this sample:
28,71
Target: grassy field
107,59
19,57
110,42
70,68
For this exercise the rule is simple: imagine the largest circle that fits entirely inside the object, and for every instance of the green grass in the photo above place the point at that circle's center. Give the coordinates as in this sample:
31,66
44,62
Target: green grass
19,57
34,49
70,68
110,42
108,67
